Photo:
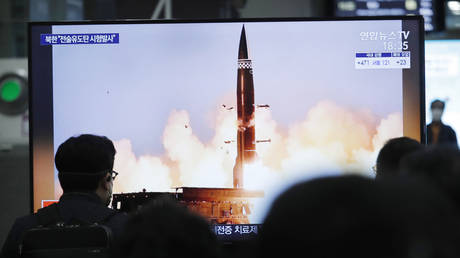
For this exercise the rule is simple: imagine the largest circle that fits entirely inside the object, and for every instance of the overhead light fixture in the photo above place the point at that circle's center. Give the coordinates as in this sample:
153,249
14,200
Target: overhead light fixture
373,5
346,6
411,5
454,7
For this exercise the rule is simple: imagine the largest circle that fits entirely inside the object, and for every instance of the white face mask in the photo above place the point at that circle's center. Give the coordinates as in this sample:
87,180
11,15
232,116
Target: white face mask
436,114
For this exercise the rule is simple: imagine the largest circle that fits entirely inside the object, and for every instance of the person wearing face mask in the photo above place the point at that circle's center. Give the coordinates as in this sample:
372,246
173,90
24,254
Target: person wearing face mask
439,133
85,166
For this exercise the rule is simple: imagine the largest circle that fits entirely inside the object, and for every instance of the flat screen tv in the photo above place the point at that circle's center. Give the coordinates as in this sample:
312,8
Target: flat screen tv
225,114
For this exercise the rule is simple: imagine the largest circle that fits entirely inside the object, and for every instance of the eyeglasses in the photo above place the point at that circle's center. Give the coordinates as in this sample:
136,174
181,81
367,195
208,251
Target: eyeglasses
113,174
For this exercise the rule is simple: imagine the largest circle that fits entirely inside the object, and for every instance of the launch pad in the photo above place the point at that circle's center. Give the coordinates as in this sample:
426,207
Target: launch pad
217,205
221,205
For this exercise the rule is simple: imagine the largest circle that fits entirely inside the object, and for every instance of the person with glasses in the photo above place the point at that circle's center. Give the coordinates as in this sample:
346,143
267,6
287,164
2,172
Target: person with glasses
85,172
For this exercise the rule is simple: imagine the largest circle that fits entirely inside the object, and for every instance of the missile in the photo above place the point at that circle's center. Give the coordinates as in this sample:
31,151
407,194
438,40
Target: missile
246,143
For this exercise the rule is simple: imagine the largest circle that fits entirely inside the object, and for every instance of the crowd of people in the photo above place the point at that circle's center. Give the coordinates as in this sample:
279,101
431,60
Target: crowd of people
410,209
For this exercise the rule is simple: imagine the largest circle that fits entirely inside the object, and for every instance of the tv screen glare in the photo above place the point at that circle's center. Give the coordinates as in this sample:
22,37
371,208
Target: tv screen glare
225,114
442,59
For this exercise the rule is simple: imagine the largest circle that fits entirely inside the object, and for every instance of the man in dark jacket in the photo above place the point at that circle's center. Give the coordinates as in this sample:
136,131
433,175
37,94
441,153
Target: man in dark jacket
437,131
85,165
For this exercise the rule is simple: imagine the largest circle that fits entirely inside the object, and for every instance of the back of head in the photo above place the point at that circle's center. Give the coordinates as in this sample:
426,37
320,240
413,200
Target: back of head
351,216
391,153
83,160
164,228
436,164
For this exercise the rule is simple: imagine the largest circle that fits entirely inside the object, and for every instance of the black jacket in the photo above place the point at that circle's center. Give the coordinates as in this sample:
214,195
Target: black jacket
84,207
446,136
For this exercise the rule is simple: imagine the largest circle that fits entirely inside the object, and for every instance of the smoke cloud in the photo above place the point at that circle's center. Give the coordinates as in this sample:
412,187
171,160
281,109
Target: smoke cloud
329,138
145,172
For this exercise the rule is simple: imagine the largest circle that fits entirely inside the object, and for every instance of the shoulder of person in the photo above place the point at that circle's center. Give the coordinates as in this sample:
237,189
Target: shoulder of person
119,216
448,127
108,214
22,224
27,221
19,227
116,222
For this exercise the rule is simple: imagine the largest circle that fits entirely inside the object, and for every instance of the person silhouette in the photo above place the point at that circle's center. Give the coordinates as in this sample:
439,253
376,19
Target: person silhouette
439,133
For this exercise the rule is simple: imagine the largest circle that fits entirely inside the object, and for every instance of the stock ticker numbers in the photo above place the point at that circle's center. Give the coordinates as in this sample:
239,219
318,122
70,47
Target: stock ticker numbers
385,60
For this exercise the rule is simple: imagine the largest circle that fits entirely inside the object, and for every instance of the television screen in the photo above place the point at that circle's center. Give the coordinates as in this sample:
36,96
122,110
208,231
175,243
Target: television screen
432,10
225,114
442,59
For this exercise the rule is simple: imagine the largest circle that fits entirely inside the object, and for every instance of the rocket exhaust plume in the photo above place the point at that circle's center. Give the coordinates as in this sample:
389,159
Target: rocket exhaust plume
246,142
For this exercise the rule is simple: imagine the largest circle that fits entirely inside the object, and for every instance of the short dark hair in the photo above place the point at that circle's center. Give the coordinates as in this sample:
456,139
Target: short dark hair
166,228
439,165
391,153
82,161
352,216
439,103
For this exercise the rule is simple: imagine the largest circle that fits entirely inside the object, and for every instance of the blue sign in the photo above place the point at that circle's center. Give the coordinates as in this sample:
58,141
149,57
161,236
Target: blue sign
385,54
72,39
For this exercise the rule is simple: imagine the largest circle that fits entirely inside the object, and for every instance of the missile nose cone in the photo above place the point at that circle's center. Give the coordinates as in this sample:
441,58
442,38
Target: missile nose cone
243,50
